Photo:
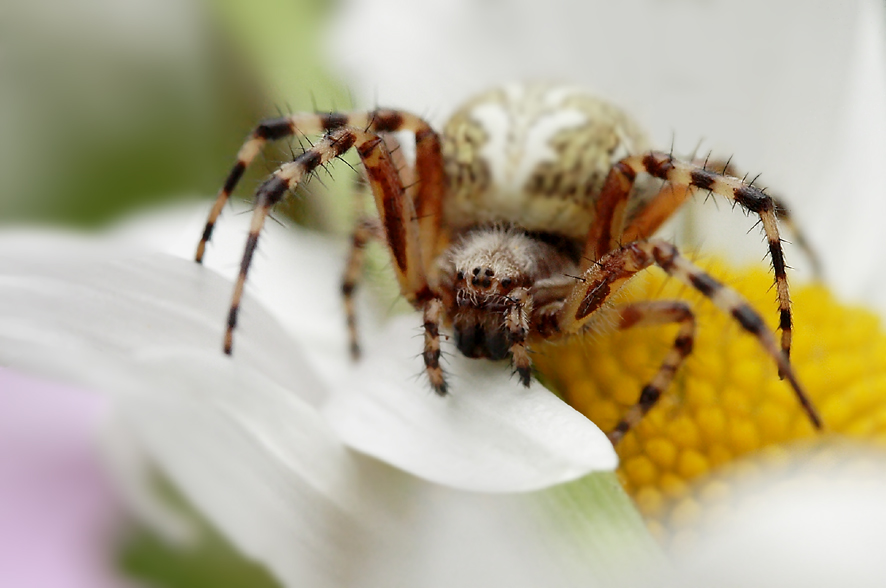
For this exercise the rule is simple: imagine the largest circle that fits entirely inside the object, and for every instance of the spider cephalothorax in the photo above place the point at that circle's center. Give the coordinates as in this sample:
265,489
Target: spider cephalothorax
491,270
519,223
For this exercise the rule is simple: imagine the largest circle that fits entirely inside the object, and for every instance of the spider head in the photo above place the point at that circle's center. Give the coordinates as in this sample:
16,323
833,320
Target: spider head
481,301
481,273
487,264
479,317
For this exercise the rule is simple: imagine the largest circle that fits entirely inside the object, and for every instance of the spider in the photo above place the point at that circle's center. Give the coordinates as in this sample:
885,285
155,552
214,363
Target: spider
518,223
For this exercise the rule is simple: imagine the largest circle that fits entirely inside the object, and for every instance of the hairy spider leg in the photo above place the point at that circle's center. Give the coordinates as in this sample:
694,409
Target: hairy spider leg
782,211
517,325
798,237
396,212
608,232
665,203
432,319
650,313
428,163
606,276
366,229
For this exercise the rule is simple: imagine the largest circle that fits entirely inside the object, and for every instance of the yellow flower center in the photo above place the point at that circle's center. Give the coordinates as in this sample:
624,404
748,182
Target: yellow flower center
726,400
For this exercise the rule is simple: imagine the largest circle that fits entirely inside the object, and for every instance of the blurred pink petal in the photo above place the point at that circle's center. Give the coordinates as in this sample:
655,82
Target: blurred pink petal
58,513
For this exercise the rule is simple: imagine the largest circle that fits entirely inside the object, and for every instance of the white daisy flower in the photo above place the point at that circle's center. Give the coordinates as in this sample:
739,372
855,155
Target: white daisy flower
334,474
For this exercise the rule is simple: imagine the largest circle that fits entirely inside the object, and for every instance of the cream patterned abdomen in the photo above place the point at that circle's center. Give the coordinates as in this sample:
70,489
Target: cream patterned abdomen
535,155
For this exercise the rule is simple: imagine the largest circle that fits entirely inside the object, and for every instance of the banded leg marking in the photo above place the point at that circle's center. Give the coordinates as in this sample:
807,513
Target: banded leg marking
605,277
429,163
267,130
517,325
365,230
671,197
643,314
799,237
782,211
429,192
433,317
608,231
395,210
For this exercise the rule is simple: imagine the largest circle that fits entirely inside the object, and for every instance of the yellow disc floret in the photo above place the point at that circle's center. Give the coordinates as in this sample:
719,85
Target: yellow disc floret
726,401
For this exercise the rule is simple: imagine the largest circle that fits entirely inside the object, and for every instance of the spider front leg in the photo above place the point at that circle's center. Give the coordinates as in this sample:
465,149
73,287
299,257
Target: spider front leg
608,230
433,318
396,211
428,159
670,198
597,285
517,325
782,211
368,229
643,314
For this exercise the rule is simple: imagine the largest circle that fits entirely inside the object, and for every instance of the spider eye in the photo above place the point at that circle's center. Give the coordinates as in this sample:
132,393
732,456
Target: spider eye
489,273
476,271
460,276
506,283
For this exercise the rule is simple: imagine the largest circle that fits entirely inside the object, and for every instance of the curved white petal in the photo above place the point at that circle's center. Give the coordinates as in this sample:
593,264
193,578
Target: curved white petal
490,434
850,201
818,520
266,468
83,308
256,460
736,75
77,306
261,462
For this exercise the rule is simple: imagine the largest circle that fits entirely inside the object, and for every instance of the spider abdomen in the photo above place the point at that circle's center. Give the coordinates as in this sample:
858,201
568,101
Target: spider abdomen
533,155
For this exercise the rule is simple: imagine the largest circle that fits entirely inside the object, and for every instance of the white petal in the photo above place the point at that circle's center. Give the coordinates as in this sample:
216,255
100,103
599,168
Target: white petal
256,460
272,475
260,461
850,201
490,434
76,306
720,71
818,521
296,275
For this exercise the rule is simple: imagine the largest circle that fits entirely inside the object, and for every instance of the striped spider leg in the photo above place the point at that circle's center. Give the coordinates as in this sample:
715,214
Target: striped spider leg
610,229
409,223
672,196
608,274
366,229
782,213
428,166
652,313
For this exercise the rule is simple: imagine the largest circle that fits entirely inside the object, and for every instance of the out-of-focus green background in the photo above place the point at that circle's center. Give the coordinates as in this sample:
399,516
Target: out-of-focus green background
112,106
107,106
